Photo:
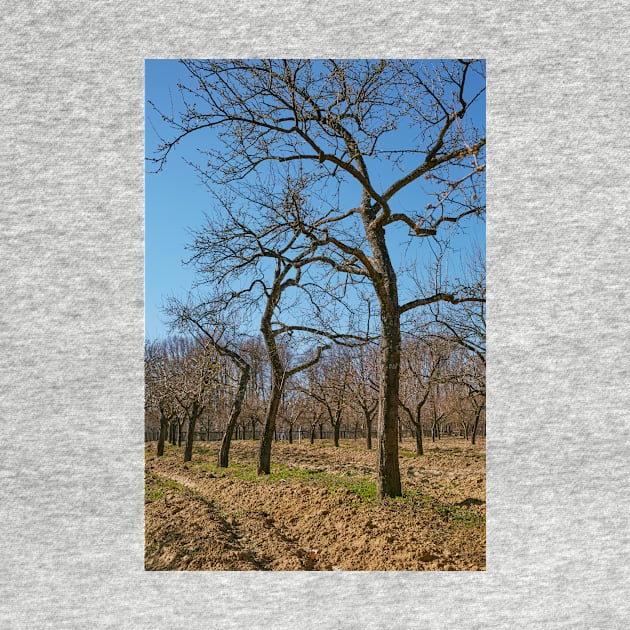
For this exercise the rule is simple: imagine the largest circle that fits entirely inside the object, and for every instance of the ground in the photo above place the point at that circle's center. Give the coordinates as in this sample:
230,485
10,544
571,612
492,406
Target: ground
316,511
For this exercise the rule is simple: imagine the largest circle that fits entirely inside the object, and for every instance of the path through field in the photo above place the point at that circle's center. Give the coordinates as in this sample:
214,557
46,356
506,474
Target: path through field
316,511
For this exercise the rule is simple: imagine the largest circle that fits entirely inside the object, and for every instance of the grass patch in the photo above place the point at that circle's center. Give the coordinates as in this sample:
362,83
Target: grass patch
409,454
460,515
363,487
454,514
280,472
204,450
156,487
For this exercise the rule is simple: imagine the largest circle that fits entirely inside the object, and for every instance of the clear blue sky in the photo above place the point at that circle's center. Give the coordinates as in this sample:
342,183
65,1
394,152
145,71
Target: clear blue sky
175,201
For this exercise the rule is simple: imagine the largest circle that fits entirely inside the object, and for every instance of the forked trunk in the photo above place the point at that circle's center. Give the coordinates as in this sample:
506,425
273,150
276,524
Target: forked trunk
419,446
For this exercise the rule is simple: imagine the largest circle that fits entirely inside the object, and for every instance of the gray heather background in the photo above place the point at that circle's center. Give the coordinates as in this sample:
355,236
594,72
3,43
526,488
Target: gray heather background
71,334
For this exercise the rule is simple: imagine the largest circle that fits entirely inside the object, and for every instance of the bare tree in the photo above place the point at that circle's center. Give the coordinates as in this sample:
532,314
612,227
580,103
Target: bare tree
422,363
465,326
158,392
364,387
259,267
294,408
209,325
196,367
180,373
343,120
330,386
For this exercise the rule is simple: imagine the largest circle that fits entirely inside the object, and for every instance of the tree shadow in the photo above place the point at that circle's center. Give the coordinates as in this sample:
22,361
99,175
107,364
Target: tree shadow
467,502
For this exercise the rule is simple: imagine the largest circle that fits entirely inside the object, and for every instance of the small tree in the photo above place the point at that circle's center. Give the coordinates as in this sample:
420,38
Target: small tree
208,324
422,363
464,325
194,369
159,380
364,387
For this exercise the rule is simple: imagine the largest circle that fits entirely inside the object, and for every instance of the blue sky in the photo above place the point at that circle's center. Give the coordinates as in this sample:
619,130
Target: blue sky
176,200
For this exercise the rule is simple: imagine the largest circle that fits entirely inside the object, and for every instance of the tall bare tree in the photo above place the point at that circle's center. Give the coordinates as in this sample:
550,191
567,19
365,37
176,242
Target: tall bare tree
259,266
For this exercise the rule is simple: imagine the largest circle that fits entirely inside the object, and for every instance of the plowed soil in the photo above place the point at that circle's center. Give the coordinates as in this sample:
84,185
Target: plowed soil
316,511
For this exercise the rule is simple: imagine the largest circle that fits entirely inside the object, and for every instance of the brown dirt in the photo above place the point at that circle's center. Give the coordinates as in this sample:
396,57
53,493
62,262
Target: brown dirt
316,511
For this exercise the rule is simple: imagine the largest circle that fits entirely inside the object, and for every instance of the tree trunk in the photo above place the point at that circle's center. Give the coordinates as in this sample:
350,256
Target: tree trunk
313,433
224,450
368,423
385,286
290,434
162,437
388,466
474,430
321,431
419,446
179,434
336,428
266,439
190,438
417,423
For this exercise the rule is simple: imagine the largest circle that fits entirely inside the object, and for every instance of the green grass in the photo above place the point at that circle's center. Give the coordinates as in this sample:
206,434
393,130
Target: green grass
460,515
156,488
203,450
363,487
453,514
